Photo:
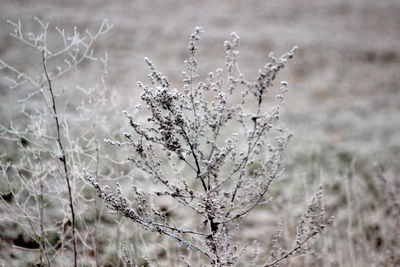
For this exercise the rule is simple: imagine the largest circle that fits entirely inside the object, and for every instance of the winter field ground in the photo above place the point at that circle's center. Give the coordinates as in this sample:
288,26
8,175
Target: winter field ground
343,108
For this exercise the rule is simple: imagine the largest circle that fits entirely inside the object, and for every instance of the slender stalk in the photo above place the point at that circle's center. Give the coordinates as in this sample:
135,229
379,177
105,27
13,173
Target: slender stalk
291,252
62,158
97,212
42,232
195,158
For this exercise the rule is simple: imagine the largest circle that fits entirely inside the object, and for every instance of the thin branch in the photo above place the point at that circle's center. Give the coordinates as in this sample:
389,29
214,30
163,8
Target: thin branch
291,252
62,158
195,158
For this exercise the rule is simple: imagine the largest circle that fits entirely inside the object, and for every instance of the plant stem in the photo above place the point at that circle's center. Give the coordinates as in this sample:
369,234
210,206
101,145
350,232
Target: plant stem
62,157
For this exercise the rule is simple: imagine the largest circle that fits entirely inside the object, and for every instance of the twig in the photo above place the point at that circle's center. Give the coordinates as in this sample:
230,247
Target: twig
62,158
291,252
97,213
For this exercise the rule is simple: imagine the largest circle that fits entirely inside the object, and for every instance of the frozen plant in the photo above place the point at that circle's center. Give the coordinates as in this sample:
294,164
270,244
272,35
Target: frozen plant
48,156
215,148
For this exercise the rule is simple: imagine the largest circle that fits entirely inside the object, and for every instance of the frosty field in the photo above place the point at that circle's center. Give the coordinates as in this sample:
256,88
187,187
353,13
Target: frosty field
343,108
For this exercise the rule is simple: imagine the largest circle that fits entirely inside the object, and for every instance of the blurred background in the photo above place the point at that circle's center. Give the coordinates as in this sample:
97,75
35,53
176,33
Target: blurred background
344,81
344,100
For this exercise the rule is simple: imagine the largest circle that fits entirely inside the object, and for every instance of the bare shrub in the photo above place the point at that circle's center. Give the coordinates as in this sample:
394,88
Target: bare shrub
214,148
45,173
